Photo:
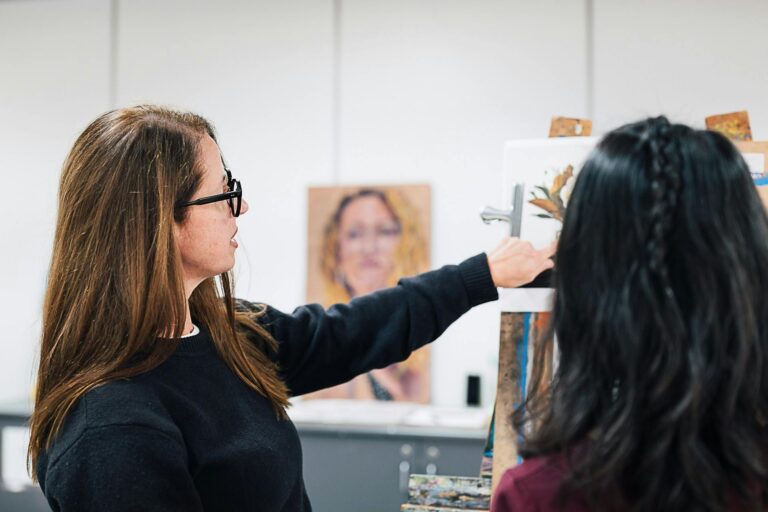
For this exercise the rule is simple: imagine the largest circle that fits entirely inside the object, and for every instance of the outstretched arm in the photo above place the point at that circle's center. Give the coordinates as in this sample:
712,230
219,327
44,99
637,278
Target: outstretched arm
320,348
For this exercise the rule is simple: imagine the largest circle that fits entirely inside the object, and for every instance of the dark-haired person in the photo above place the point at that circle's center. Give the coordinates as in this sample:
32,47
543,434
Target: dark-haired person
154,393
660,397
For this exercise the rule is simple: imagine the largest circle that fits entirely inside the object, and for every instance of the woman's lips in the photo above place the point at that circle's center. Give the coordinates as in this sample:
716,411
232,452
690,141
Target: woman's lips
370,265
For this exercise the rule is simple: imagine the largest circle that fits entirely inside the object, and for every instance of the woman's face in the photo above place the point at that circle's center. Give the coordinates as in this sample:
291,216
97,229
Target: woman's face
206,237
368,237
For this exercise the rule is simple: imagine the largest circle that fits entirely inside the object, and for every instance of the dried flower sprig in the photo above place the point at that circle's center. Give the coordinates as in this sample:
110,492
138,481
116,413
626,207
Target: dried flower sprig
553,200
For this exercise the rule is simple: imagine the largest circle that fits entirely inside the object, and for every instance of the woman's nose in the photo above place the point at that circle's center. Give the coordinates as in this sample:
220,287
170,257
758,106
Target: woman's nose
244,207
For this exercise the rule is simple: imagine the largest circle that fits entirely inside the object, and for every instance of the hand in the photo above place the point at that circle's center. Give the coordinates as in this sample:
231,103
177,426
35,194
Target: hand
515,262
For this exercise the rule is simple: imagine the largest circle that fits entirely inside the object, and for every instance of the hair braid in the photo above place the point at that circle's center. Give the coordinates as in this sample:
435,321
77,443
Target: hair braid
665,186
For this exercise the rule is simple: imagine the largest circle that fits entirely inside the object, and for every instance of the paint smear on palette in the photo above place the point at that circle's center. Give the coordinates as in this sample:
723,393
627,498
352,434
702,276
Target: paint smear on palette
451,492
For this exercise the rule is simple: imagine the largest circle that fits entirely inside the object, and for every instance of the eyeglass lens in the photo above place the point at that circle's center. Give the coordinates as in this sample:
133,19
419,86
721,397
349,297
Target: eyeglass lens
235,202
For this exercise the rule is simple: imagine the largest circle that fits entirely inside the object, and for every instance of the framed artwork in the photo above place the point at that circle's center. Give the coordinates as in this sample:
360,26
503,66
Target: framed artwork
361,239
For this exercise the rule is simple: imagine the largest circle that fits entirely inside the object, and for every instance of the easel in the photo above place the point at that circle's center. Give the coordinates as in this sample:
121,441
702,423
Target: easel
520,335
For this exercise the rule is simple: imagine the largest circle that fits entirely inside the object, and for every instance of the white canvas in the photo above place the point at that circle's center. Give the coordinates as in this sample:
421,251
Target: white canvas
536,162
755,162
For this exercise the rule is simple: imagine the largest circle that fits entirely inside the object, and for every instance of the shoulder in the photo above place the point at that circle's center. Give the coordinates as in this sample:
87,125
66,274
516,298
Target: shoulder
259,312
277,322
535,485
246,306
111,410
532,485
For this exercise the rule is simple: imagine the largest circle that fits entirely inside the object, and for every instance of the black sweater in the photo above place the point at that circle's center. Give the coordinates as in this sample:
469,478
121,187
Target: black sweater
189,435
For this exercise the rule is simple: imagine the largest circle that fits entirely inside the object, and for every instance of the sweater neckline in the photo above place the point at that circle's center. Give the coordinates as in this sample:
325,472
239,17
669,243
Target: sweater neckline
195,344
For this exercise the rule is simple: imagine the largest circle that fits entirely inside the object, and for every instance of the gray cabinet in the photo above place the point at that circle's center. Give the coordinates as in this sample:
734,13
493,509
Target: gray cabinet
352,469
28,498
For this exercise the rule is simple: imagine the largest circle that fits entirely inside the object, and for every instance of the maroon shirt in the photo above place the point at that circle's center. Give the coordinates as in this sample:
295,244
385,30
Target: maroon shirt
533,486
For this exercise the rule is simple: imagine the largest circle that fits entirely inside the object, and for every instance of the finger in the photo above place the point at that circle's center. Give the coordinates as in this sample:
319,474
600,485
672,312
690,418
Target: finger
549,250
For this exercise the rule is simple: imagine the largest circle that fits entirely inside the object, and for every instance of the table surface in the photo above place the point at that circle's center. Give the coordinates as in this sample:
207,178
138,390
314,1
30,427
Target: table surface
354,416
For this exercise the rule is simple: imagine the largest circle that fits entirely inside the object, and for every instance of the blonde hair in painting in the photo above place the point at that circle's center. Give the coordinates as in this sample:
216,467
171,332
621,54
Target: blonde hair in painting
410,256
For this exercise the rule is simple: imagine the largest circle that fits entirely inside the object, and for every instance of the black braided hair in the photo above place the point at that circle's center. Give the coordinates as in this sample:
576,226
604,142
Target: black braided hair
664,179
661,389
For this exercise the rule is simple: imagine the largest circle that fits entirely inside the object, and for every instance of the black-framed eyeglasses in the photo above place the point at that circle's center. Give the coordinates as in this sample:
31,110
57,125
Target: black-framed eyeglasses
234,196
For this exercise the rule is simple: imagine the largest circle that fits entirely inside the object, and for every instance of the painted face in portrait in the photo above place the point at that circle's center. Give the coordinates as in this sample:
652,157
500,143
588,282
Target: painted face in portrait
206,237
369,235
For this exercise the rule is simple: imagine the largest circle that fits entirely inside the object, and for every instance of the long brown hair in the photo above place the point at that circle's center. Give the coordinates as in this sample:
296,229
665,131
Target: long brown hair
115,280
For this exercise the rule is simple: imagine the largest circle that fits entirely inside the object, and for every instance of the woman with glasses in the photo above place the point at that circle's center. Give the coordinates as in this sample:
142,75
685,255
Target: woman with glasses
156,390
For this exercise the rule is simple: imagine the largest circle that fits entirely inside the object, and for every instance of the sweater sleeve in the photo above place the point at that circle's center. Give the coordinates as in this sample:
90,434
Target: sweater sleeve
320,348
121,468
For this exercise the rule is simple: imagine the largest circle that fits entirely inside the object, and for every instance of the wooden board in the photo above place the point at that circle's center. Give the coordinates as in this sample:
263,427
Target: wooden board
522,335
734,125
570,127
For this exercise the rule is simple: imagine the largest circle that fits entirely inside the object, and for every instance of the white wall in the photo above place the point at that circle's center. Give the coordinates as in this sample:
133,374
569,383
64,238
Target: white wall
687,59
262,72
320,92
53,81
430,91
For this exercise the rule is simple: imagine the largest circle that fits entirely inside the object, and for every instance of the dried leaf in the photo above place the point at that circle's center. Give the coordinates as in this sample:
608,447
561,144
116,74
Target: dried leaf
546,205
544,190
561,179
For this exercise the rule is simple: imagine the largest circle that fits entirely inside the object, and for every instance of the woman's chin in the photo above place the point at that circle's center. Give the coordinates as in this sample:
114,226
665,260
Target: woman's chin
227,267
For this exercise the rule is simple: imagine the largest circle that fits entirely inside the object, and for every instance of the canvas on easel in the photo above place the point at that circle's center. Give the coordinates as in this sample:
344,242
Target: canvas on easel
547,169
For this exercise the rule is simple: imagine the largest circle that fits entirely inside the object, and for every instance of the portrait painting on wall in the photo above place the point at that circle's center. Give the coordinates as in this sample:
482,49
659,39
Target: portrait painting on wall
362,239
